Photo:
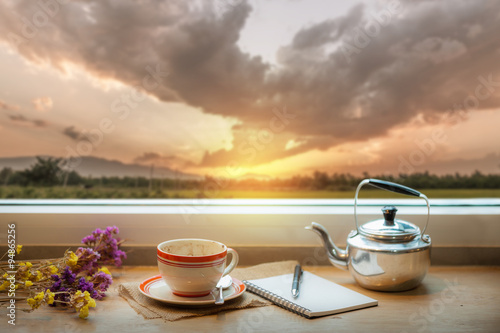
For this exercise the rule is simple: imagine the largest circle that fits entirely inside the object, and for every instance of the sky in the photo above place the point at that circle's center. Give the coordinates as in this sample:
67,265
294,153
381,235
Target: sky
274,88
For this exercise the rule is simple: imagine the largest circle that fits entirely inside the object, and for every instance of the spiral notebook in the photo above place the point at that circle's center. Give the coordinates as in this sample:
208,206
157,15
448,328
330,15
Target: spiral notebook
318,296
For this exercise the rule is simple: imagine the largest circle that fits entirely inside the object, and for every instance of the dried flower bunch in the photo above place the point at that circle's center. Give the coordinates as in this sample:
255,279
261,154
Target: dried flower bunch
75,281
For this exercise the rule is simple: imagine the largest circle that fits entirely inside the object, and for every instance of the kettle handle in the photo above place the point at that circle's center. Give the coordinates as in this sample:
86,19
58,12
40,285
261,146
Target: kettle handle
393,187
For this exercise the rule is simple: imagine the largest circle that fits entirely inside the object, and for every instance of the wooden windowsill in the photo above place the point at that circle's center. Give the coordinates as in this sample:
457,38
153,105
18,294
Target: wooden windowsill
450,299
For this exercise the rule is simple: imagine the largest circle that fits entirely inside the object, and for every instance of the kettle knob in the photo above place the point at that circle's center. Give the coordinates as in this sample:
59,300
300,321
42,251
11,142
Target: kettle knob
389,215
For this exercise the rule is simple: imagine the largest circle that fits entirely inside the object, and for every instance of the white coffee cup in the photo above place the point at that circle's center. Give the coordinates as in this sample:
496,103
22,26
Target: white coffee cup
192,267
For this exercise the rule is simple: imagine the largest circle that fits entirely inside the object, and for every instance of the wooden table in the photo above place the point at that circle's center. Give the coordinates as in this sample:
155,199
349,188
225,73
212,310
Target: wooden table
451,299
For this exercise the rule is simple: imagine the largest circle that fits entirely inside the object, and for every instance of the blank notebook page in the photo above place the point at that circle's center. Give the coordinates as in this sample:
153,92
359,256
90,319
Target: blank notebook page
317,296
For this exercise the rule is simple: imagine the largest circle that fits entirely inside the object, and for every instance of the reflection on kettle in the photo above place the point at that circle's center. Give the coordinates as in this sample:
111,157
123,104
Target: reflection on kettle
365,263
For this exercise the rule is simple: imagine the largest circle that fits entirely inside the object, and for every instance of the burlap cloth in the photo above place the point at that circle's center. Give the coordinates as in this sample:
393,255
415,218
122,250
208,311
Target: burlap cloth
152,309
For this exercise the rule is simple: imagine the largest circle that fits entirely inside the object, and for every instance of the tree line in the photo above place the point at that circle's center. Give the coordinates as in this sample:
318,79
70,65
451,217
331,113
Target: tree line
48,172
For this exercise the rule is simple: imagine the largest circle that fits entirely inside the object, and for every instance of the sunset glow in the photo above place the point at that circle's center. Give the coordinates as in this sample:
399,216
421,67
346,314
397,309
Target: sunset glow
254,88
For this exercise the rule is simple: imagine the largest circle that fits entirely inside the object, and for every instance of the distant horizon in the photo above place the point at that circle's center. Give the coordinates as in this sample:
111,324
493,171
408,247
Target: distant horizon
272,88
163,172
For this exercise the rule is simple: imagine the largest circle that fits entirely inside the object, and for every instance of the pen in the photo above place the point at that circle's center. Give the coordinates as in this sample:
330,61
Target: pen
297,278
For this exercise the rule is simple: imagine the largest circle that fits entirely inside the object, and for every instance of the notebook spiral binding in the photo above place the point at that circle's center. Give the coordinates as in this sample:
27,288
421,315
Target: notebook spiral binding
278,300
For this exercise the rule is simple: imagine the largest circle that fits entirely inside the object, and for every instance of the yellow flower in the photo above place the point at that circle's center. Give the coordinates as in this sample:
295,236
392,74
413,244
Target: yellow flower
84,312
4,285
77,295
105,270
39,297
82,302
39,276
50,297
19,248
25,275
92,303
5,275
72,261
28,264
37,300
80,297
32,303
53,269
28,283
86,295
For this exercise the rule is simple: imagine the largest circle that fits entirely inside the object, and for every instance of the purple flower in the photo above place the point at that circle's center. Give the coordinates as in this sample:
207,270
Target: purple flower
88,239
117,257
111,230
68,276
63,297
57,283
87,260
103,243
101,282
83,285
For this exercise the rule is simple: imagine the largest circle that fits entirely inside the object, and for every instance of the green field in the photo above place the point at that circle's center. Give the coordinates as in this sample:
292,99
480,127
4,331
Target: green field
18,192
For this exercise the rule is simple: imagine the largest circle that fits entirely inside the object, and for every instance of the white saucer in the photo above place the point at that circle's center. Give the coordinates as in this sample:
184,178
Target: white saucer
156,288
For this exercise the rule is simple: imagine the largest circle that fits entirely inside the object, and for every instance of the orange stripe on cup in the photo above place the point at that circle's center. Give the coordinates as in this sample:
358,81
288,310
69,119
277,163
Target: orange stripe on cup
181,258
191,265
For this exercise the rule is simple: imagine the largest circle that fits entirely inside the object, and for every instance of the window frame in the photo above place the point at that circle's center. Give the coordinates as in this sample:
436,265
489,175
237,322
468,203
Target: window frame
243,222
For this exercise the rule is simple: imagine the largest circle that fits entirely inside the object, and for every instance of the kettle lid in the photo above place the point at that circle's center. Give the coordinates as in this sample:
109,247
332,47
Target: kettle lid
389,228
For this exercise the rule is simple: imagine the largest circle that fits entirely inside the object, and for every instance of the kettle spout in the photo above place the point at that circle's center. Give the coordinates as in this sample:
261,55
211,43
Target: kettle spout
337,257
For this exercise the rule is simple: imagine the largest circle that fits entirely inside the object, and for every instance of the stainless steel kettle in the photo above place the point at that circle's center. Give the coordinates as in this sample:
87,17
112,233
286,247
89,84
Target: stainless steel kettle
386,254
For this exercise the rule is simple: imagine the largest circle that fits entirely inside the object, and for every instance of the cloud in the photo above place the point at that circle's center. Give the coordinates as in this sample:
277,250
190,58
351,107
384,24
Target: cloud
40,123
22,120
73,133
328,31
8,107
18,117
42,104
415,65
426,59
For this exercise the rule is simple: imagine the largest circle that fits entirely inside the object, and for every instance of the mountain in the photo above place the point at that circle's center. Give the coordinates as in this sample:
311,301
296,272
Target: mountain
97,167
